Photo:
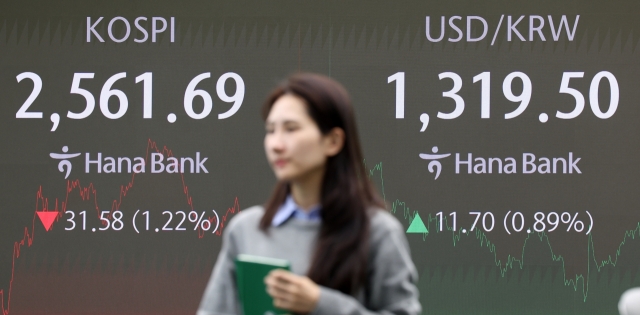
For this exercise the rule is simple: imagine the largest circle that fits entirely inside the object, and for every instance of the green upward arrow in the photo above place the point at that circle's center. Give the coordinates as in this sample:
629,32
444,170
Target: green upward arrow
417,226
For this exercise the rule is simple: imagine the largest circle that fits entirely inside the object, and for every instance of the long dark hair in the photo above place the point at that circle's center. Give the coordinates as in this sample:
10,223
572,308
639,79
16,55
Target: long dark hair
341,253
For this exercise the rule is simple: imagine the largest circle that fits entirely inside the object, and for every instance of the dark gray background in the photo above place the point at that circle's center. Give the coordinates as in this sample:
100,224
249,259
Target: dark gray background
359,43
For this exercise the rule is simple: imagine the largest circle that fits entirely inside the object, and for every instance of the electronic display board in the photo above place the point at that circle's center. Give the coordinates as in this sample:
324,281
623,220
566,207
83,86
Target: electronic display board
503,135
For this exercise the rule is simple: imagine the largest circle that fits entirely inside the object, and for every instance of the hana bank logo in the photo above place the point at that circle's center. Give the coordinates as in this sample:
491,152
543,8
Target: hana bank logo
529,163
65,164
434,165
159,163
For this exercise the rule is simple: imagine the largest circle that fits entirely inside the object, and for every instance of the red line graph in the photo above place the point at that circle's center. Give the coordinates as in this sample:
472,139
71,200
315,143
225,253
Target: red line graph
87,193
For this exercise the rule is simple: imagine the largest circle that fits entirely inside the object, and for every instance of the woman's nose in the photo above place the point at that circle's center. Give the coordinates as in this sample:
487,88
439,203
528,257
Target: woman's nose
275,142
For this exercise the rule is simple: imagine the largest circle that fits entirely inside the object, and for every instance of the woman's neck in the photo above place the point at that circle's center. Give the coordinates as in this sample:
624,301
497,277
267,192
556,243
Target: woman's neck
306,191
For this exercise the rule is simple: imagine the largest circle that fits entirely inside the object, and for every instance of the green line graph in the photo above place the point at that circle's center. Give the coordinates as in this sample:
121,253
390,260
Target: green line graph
601,273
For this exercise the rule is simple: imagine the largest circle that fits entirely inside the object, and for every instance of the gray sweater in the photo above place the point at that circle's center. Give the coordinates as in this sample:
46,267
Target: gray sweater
392,274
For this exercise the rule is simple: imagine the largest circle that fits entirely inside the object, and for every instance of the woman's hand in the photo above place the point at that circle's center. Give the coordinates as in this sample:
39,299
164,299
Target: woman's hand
292,292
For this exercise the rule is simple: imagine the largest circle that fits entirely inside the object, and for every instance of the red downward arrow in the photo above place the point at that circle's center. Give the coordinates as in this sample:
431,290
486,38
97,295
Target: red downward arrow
47,218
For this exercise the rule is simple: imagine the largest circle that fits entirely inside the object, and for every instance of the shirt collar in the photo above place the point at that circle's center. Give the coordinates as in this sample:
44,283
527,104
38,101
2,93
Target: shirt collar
290,209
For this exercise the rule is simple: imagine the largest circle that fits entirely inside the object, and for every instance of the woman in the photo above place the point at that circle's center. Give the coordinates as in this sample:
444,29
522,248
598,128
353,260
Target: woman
348,255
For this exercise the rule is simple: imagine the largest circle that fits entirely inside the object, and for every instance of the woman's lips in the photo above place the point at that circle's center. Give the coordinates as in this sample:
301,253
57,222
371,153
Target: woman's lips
280,163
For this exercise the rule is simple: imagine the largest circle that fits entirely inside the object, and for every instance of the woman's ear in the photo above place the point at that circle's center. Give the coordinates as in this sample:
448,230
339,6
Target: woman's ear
333,141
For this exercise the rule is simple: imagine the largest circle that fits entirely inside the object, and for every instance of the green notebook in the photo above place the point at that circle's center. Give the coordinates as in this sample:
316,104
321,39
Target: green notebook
250,274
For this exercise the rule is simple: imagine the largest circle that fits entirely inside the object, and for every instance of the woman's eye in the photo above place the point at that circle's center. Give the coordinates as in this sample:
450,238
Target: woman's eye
291,128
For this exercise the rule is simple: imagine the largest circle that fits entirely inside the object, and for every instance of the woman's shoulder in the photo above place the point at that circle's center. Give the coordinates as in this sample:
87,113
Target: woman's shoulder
387,238
249,217
382,222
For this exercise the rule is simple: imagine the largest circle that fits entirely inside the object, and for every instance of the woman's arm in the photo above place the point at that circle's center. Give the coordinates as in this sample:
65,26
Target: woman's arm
393,280
220,296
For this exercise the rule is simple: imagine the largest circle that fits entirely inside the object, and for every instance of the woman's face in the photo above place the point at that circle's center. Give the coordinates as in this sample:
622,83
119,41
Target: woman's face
295,147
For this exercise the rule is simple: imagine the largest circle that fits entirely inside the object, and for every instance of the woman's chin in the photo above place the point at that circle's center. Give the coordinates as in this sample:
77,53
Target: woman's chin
283,176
